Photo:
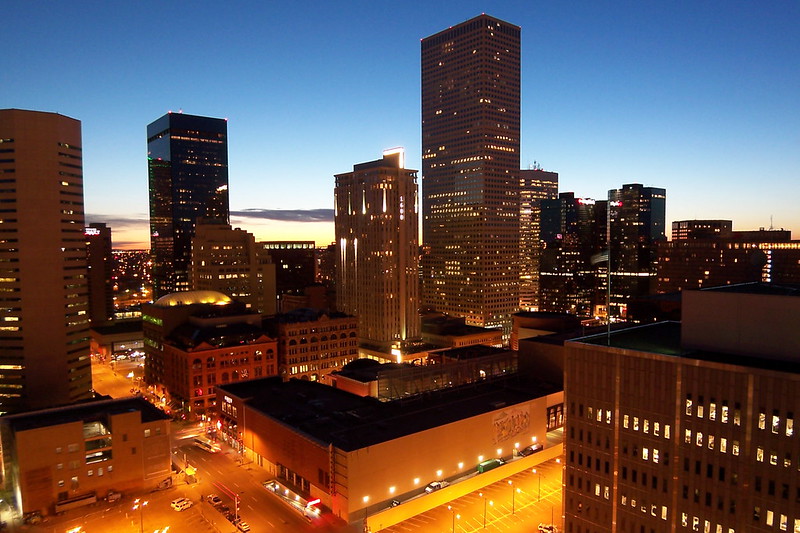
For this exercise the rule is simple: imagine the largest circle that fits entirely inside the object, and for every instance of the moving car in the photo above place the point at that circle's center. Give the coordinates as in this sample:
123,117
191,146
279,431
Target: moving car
435,485
214,500
181,504
241,525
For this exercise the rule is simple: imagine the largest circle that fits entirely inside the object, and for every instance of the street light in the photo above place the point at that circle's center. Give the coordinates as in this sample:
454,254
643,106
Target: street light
511,484
138,504
484,508
538,498
453,512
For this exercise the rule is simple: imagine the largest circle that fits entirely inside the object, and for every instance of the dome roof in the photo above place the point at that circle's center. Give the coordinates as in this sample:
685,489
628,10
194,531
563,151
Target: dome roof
192,297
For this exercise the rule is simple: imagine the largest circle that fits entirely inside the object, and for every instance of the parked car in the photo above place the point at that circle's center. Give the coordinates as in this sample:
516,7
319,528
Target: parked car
547,528
530,450
241,525
395,503
113,496
214,500
181,504
33,518
435,485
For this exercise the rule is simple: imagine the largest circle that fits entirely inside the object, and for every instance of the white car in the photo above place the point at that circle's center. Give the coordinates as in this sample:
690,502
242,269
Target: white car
435,485
181,504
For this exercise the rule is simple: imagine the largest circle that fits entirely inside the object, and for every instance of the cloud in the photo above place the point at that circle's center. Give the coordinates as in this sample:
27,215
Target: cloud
121,222
287,215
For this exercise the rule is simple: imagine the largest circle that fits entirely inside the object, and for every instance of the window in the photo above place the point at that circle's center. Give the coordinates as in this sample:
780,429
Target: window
723,445
789,426
724,418
776,423
735,448
759,454
625,419
689,406
712,411
146,433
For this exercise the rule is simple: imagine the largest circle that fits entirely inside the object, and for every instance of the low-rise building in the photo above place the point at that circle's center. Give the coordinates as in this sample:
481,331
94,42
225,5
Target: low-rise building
312,342
356,454
55,459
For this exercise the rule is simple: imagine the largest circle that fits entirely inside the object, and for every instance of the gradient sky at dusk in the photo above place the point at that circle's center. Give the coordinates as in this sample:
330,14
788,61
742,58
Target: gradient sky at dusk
698,97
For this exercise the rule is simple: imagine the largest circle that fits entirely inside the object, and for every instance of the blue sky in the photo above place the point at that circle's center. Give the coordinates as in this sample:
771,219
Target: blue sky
698,97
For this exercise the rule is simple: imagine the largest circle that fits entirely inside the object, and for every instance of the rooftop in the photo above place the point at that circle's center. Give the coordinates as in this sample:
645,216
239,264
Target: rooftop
84,412
664,338
768,289
349,422
192,297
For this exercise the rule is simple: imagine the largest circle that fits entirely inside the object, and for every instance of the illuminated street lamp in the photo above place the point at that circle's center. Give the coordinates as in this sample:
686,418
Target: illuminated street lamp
484,508
139,504
513,493
538,498
453,512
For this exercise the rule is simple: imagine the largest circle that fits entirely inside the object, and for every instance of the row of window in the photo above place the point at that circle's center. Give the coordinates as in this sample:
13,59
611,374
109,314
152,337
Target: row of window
711,441
724,411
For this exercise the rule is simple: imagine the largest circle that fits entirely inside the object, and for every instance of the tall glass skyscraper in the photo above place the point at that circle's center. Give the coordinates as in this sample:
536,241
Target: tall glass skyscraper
187,161
470,170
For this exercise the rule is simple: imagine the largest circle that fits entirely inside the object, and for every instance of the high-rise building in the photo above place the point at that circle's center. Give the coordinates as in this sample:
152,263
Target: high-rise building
470,170
227,260
187,160
573,235
44,321
690,426
377,263
100,259
637,224
535,185
684,230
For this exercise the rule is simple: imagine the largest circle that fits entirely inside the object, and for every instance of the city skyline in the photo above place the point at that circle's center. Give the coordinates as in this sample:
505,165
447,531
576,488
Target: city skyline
697,99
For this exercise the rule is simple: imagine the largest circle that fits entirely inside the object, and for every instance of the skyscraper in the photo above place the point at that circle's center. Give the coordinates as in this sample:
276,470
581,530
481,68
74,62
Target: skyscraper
470,170
187,160
378,249
44,322
535,185
637,222
100,261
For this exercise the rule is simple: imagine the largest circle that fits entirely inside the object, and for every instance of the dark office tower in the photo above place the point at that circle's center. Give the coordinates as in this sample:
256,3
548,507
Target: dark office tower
571,276
377,265
637,226
535,185
187,160
100,261
470,170
44,325
295,266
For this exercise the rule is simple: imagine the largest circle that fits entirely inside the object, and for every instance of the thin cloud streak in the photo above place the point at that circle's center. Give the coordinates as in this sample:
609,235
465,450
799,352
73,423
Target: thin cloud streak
287,215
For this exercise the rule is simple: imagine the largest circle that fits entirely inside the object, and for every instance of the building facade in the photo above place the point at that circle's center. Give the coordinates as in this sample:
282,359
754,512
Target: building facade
196,340
701,255
571,267
44,305
295,266
312,343
637,224
377,265
470,171
187,163
688,427
535,185
100,259
60,458
227,260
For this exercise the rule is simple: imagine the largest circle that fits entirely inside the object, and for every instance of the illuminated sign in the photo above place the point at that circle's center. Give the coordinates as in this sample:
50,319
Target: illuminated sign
91,231
227,399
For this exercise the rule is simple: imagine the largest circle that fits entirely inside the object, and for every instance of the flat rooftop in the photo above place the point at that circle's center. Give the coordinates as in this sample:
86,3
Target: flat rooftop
664,338
88,411
349,422
770,289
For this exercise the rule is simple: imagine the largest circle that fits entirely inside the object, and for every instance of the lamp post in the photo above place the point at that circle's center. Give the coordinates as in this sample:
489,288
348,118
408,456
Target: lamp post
139,504
539,497
511,484
453,512
484,509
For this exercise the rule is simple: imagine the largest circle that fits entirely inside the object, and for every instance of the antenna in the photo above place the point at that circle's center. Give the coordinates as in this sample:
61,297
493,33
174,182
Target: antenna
771,227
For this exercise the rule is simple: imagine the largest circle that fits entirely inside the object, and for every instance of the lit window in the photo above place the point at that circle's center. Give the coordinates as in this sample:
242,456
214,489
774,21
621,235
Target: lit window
776,424
789,427
656,429
770,518
724,418
711,442
723,445
712,411
663,512
699,438
688,436
599,415
666,431
597,489
760,454
645,454
608,416
737,417
646,426
688,406
625,419
773,458
655,455
636,423
699,411
735,448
